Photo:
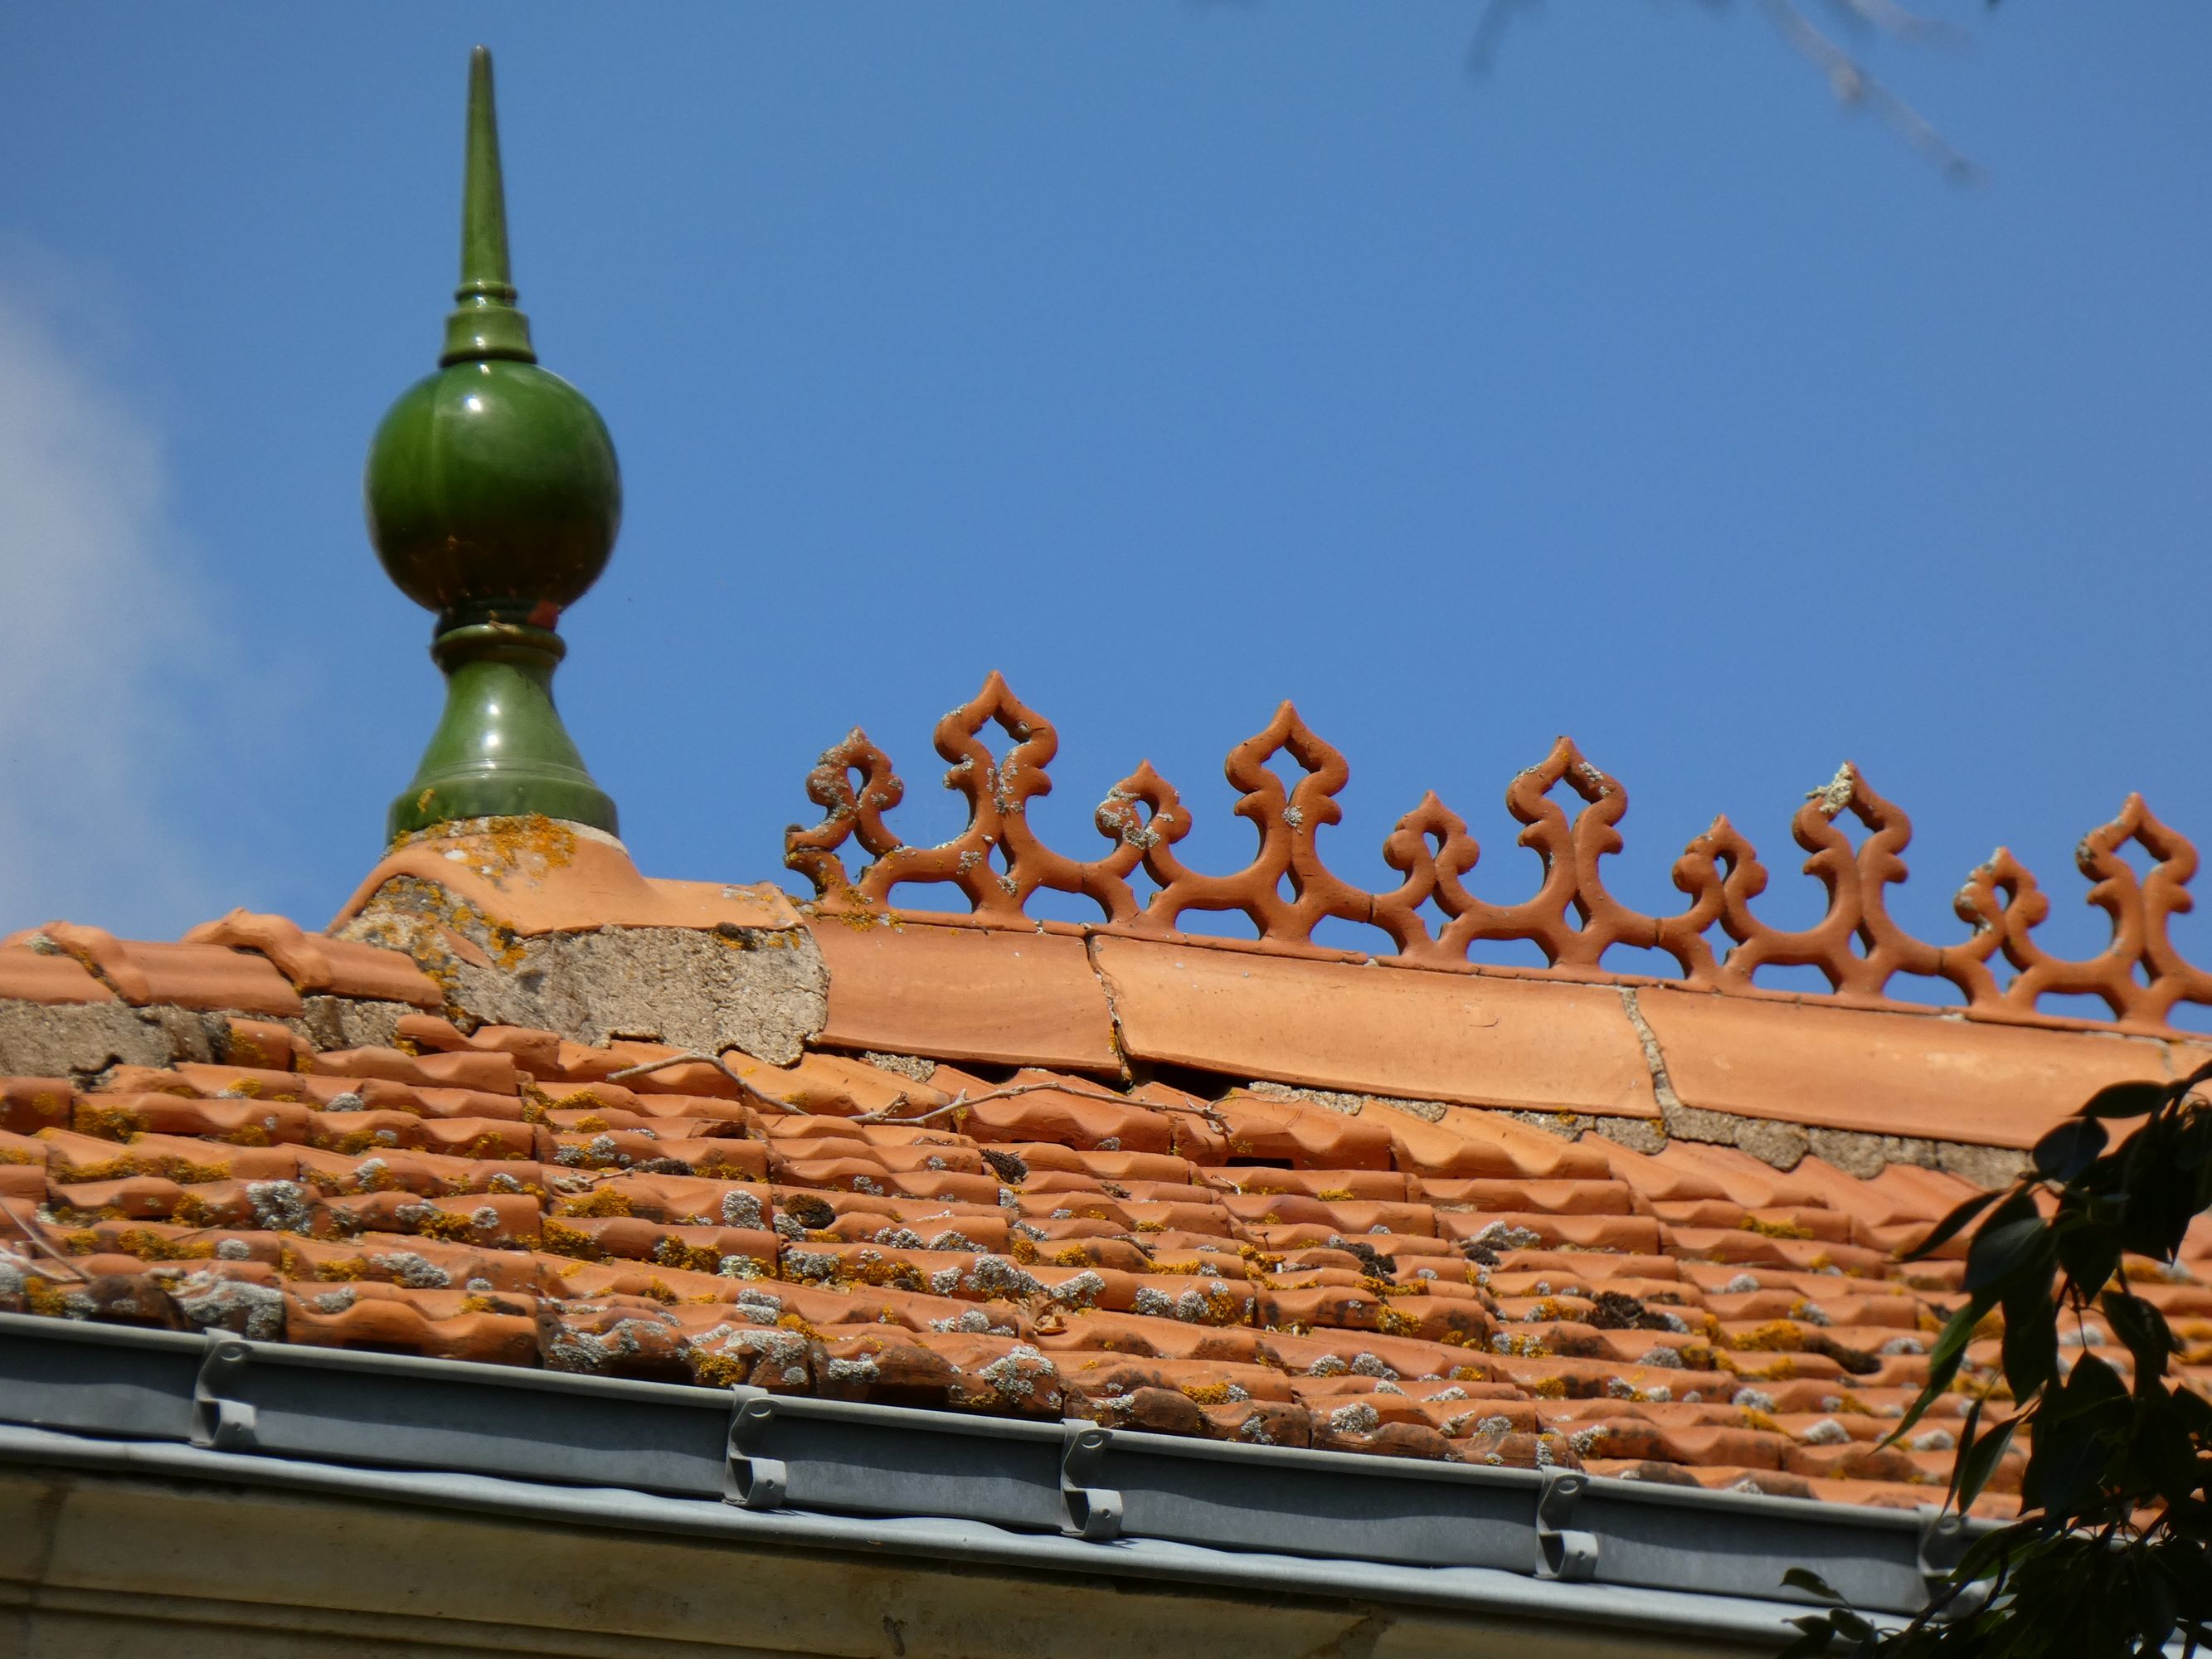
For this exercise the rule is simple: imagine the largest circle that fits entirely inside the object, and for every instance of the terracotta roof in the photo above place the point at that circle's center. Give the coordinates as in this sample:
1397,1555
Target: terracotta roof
1257,1192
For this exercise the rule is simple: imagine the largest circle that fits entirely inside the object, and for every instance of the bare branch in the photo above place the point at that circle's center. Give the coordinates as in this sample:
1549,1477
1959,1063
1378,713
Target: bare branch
651,1065
1848,78
1890,18
1490,31
35,1234
1853,85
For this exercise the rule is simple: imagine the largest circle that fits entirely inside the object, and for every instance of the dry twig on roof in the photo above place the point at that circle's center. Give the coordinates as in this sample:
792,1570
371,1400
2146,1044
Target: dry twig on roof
35,1233
719,1065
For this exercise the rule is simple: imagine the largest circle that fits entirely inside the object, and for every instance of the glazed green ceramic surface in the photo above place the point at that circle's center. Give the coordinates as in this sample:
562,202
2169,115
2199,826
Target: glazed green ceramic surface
500,750
493,498
493,482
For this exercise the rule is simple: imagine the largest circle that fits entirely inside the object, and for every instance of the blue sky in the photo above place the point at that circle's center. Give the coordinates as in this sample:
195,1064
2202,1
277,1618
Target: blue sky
1174,359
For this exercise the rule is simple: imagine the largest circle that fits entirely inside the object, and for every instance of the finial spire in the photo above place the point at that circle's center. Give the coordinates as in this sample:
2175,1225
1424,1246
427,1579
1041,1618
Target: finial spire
494,497
485,324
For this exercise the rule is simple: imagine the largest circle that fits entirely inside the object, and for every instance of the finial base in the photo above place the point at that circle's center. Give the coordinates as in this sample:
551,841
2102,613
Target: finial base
499,750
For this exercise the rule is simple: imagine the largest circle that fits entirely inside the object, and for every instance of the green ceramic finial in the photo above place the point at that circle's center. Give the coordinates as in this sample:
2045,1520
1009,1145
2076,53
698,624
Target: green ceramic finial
485,324
493,499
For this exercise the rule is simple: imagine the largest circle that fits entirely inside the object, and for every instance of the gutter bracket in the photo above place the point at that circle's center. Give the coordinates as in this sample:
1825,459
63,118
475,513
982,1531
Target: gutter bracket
752,1482
1092,1513
220,1423
1567,1555
1943,1543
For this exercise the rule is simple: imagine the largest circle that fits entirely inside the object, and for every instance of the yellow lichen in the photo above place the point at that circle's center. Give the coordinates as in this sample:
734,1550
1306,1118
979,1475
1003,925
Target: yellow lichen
107,1121
1777,1335
569,1241
443,1224
720,1368
605,1202
194,1211
150,1246
1778,1368
694,1258
1752,1223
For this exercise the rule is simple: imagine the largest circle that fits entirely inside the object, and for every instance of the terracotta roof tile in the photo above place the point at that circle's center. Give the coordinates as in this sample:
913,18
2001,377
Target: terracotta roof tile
538,877
204,976
1884,1073
491,1073
1399,1274
1337,1025
1005,997
537,1052
316,963
496,1328
31,975
1739,1175
28,1104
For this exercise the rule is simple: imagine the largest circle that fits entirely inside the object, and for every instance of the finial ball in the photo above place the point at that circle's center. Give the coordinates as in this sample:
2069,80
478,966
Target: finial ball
492,489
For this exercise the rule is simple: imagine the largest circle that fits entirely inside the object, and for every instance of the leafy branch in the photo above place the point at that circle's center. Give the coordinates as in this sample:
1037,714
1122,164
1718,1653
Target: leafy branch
2111,1553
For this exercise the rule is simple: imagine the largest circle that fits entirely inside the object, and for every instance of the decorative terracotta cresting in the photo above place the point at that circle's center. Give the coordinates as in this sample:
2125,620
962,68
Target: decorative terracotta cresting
997,862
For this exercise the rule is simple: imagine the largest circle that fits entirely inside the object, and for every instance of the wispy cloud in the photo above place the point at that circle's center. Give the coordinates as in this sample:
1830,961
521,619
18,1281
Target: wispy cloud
101,629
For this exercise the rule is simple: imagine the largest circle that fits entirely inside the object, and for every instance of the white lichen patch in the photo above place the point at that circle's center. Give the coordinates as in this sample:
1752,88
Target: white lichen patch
741,1209
1356,1417
411,1270
280,1207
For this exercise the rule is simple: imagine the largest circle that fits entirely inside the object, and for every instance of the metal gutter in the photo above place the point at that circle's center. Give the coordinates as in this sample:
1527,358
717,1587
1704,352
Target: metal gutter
1474,1589
1065,1497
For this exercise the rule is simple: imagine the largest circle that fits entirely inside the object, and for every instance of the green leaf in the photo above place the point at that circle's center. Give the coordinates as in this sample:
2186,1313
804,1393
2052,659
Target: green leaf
1977,1463
2162,1196
1849,1623
1816,1639
2089,1251
2167,1454
2143,1328
2030,1349
2194,1145
1968,1427
1944,1363
1991,1551
2196,1412
2070,1148
2003,1245
2124,1100
2065,1463
1811,1583
1950,1226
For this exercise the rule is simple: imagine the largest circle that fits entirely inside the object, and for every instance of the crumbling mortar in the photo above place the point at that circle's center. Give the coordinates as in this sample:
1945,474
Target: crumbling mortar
1351,1105
915,1066
1655,1059
1114,1038
700,989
